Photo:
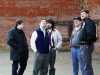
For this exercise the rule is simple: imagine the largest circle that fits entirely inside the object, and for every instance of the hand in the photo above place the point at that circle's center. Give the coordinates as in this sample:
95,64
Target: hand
54,48
11,62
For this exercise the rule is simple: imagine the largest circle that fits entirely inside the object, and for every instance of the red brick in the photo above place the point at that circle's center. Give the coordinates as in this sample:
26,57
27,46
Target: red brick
37,7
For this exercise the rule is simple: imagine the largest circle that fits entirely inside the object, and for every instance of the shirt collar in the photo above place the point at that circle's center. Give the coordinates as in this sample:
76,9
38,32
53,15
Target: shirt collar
77,28
42,29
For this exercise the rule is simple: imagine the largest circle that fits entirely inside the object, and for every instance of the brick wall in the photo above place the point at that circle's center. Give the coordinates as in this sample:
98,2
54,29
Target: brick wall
94,6
39,8
31,12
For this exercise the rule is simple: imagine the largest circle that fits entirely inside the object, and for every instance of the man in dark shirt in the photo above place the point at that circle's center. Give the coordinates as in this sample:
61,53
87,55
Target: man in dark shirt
87,39
18,48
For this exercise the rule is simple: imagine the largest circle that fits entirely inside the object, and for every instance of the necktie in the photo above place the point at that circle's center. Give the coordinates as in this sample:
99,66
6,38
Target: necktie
53,44
52,39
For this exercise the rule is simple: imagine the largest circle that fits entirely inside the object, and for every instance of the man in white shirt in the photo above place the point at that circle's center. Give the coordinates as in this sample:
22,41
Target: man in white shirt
56,43
40,45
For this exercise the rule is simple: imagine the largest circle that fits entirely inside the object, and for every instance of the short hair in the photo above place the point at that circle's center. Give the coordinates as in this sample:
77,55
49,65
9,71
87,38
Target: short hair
18,22
77,18
85,10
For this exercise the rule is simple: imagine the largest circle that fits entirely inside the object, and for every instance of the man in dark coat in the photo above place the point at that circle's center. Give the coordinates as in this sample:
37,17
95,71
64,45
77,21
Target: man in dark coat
18,48
87,39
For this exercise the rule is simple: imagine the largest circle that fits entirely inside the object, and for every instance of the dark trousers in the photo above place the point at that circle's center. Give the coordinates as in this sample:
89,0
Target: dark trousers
52,59
86,59
41,64
18,67
75,53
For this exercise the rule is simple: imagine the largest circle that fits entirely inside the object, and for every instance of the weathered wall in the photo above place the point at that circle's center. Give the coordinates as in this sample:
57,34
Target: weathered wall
33,10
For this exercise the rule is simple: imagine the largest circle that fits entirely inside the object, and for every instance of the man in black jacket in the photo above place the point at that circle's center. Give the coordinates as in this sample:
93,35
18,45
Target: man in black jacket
87,39
18,48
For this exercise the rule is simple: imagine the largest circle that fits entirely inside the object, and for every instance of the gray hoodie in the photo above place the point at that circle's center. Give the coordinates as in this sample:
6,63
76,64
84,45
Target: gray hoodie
74,41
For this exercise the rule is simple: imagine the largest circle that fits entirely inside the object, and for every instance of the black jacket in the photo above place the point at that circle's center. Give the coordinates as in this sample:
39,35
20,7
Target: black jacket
18,44
88,33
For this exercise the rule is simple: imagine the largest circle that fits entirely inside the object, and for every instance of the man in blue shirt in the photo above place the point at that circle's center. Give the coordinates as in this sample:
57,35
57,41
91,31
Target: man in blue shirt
74,44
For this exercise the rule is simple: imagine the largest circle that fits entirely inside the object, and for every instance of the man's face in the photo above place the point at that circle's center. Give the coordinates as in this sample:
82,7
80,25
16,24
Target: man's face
21,26
77,23
43,23
84,15
49,25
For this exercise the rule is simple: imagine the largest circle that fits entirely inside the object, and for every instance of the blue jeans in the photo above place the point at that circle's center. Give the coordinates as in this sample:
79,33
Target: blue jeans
75,52
86,59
